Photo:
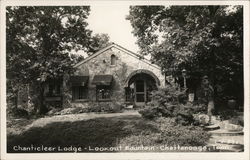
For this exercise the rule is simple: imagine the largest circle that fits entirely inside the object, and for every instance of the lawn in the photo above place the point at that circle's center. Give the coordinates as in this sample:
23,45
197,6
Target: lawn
109,134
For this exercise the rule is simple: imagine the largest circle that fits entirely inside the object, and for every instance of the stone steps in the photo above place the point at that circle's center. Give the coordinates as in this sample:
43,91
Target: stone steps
223,132
226,144
225,136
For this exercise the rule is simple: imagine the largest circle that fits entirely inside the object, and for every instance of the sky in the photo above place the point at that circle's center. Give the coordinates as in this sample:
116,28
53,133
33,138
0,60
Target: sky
110,19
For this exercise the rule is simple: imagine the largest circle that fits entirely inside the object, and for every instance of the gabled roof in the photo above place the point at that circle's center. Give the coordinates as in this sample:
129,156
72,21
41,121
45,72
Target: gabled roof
120,48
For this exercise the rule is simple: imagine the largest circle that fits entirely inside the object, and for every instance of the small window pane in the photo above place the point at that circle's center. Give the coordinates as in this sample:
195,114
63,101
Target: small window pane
80,92
113,59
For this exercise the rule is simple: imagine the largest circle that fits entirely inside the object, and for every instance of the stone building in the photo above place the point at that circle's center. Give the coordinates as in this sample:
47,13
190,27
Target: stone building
110,76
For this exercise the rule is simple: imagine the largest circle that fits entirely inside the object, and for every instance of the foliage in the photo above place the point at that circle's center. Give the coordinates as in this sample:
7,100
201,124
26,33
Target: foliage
92,133
150,112
169,102
97,42
61,111
173,134
18,113
105,107
39,42
97,108
169,134
227,114
164,102
238,120
106,132
40,38
201,39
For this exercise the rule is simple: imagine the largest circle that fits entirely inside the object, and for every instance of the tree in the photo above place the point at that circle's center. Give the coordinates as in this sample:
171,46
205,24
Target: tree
39,40
97,42
204,40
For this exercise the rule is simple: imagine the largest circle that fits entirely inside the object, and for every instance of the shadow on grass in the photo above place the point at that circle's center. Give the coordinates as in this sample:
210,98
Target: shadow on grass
100,132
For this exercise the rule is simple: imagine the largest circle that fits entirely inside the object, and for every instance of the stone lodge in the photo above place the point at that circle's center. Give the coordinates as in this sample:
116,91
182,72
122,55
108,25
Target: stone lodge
110,76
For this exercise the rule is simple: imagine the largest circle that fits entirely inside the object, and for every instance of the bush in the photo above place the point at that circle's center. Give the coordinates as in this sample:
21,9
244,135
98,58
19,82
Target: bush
164,102
168,102
106,107
18,113
227,114
150,112
239,120
95,108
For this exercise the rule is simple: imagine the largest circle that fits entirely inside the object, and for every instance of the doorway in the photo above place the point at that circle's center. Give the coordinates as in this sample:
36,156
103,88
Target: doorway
140,92
139,87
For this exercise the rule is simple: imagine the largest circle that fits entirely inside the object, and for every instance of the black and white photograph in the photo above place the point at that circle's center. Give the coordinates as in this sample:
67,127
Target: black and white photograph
134,78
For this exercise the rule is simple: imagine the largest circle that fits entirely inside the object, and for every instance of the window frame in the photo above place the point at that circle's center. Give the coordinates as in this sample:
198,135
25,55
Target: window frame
85,89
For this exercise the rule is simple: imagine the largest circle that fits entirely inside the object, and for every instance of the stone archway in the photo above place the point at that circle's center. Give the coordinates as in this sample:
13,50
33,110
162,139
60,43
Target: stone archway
139,71
138,86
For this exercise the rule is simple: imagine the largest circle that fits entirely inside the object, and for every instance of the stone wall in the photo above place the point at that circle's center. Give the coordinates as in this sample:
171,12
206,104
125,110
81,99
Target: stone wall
126,63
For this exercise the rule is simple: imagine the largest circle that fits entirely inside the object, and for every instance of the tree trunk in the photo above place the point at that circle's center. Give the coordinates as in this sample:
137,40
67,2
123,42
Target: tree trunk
16,99
42,106
29,101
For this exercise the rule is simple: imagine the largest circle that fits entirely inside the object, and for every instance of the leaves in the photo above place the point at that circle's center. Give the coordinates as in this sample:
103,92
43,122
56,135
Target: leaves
40,40
201,39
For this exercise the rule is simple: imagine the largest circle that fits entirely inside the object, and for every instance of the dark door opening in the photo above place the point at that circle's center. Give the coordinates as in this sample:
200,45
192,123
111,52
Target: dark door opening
140,92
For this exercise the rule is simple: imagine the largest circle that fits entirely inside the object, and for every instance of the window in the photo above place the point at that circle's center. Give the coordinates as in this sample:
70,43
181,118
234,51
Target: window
113,59
80,93
103,93
54,90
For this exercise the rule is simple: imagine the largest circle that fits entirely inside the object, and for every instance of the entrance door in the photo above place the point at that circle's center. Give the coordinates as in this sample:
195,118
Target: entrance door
140,92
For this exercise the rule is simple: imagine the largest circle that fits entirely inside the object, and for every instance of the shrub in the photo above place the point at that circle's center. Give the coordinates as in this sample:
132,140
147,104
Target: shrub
168,102
65,111
227,114
164,102
18,113
150,112
239,120
95,108
106,107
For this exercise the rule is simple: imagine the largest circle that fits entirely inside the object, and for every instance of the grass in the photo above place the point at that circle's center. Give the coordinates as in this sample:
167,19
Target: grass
104,132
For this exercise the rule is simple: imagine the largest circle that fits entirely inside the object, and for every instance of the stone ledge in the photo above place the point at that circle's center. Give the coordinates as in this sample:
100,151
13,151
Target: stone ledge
222,132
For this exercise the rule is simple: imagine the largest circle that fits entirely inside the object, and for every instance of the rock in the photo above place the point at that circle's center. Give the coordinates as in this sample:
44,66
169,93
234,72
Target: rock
130,107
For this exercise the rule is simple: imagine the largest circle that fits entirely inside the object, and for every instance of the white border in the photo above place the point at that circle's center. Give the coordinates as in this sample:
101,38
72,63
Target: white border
107,156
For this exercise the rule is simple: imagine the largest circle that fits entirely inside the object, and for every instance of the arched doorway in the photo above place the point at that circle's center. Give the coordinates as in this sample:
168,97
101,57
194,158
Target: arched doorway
139,86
